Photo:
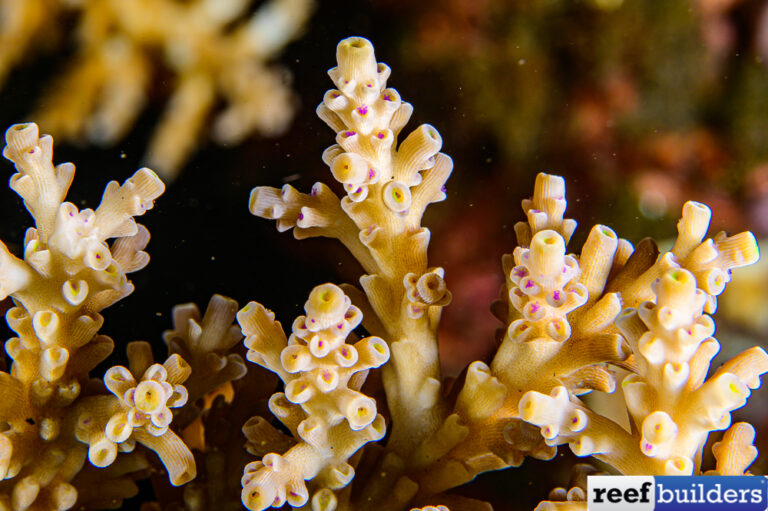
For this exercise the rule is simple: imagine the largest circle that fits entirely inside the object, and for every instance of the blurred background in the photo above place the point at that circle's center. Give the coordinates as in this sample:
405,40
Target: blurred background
639,105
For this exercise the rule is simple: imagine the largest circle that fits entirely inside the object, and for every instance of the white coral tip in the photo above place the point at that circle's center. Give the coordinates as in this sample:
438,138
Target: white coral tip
326,306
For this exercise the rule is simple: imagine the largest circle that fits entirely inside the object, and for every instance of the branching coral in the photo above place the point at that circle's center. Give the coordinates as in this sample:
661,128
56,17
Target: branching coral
22,26
214,49
205,343
322,404
569,321
68,275
388,188
140,413
568,317
672,403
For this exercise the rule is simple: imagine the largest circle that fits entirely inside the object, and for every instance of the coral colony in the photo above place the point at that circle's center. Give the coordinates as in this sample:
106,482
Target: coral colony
331,439
213,49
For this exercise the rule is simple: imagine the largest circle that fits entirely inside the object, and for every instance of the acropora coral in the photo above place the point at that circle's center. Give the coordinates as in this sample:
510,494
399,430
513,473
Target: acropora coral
362,417
624,94
214,50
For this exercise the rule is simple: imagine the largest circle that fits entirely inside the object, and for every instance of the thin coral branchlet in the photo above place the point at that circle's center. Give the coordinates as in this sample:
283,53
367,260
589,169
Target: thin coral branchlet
322,405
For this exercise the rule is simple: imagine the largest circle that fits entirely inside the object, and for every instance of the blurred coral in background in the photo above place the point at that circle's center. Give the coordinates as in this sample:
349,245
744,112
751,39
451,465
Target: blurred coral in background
209,51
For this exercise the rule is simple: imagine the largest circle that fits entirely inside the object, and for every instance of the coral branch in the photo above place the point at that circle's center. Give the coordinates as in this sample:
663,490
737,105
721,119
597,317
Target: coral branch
329,418
67,275
387,189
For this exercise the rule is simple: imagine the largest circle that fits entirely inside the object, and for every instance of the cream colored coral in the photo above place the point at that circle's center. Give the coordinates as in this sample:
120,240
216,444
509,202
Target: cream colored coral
23,25
574,496
710,260
561,499
424,291
736,451
544,289
560,313
214,49
70,271
205,342
138,412
322,404
147,403
673,405
387,187
545,210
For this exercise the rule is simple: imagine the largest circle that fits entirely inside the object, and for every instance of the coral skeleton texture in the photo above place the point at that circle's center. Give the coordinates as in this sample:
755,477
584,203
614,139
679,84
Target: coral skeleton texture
102,92
363,418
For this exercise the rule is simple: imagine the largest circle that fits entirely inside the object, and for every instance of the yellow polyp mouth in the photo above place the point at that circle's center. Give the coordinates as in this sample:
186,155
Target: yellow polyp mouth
677,276
149,397
101,456
255,499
